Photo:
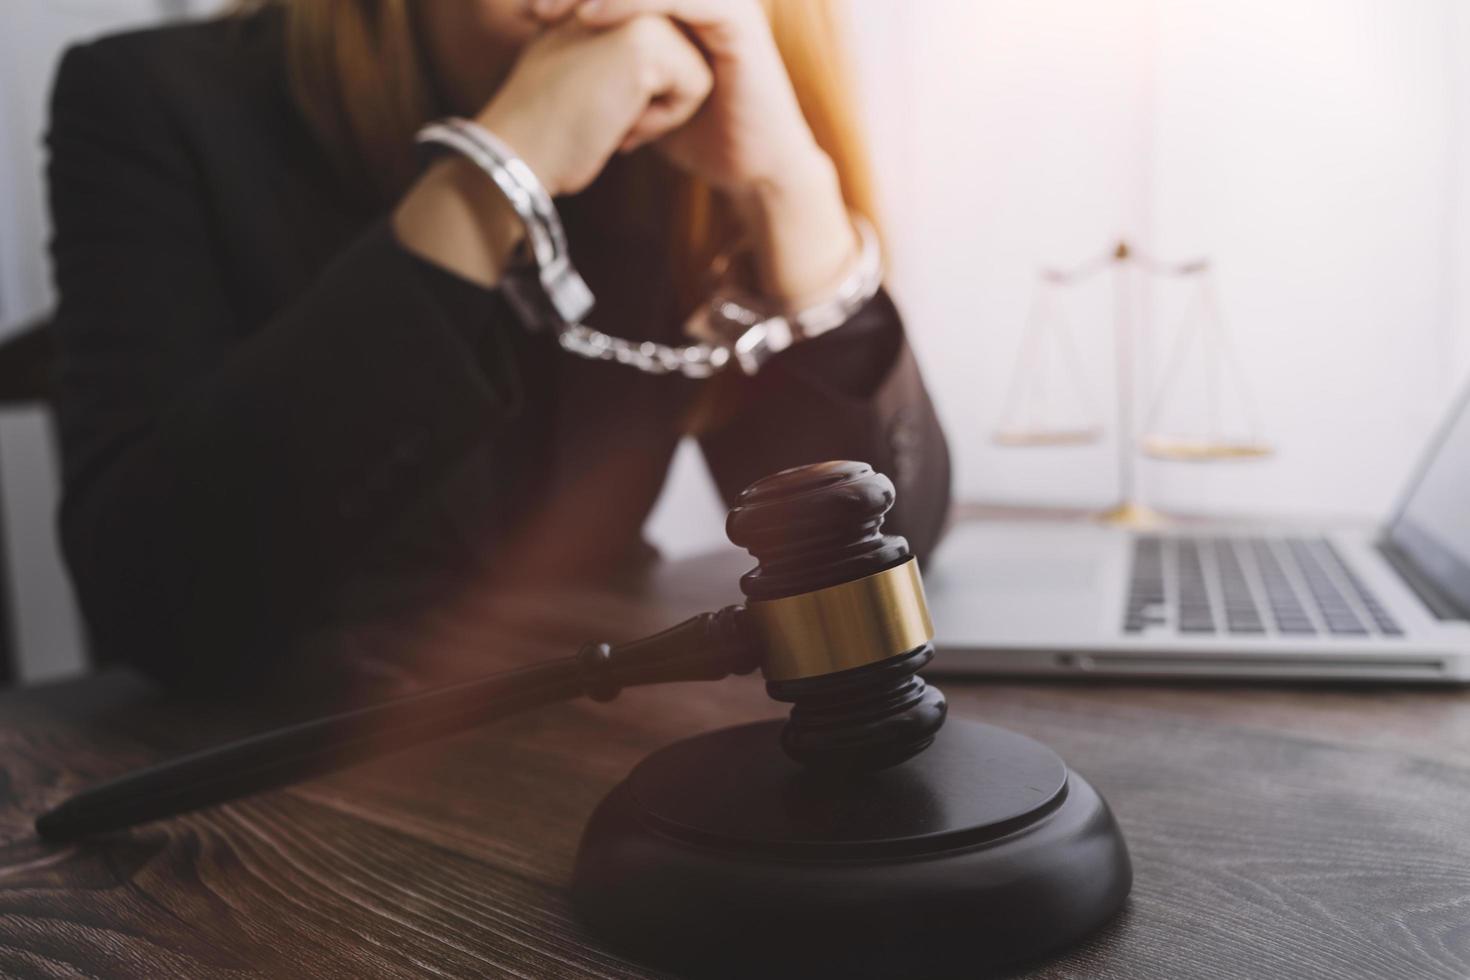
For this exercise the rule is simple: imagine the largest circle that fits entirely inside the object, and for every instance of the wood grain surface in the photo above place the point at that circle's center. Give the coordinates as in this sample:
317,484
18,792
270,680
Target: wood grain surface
1275,831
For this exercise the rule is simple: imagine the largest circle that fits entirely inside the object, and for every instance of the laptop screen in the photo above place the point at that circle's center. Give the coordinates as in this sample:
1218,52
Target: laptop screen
1432,527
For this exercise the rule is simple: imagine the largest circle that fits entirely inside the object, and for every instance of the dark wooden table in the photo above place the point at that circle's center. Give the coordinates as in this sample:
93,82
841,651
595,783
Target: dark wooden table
1275,831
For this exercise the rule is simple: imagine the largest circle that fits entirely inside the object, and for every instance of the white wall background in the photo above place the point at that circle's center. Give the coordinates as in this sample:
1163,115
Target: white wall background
1316,150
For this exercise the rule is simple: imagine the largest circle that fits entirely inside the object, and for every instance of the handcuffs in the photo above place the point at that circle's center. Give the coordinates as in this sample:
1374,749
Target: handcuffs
547,292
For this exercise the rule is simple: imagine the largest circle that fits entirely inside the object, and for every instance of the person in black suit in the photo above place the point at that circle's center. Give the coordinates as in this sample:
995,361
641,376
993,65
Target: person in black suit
291,391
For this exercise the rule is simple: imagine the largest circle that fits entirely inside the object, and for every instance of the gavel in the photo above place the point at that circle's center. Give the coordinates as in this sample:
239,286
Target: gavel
835,618
861,836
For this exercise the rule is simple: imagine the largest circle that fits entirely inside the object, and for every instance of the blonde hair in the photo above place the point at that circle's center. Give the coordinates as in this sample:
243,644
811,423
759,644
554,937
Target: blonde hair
359,74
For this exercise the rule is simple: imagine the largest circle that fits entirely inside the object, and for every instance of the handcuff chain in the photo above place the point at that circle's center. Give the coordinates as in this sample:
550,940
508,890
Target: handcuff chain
702,360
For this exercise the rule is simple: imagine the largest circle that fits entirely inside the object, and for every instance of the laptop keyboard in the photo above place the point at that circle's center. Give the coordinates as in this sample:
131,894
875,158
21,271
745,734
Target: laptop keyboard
1249,587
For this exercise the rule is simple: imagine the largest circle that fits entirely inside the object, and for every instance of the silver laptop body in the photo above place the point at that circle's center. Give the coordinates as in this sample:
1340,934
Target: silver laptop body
1246,601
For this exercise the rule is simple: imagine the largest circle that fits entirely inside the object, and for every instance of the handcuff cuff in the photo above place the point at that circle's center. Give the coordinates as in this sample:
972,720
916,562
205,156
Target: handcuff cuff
731,328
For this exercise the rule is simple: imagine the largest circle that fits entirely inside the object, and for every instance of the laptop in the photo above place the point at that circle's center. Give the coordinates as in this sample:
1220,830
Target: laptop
1220,601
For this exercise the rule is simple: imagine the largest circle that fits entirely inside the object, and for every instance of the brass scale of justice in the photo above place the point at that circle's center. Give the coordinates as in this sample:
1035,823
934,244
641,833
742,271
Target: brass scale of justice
1029,419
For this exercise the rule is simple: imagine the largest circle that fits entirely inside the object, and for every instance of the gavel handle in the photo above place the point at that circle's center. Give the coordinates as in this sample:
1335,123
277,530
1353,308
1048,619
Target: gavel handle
709,646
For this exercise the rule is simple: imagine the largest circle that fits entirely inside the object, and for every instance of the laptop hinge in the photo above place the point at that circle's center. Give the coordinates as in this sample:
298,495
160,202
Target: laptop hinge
1441,605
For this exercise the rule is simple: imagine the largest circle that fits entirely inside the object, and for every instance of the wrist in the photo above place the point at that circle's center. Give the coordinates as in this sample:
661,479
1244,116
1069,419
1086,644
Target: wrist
769,197
507,125
458,219
801,234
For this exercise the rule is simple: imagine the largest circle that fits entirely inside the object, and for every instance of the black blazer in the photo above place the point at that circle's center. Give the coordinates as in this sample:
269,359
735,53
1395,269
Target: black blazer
269,409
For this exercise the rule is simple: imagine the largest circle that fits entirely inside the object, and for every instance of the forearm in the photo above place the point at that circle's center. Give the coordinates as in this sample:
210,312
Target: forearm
456,218
203,543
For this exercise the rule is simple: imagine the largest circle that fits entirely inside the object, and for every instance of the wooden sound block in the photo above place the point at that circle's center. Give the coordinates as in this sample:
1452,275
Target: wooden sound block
720,856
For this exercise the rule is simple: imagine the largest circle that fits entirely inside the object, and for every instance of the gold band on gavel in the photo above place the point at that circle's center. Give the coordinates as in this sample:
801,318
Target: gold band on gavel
844,626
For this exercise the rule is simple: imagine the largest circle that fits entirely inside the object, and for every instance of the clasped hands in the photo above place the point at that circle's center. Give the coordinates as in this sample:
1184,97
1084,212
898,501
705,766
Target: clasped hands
702,81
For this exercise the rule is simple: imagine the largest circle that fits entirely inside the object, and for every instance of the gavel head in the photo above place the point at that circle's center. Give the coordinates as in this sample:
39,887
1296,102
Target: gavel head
839,609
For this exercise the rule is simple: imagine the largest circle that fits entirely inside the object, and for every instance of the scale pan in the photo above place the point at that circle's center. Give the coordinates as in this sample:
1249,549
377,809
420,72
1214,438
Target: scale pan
1047,437
1196,449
